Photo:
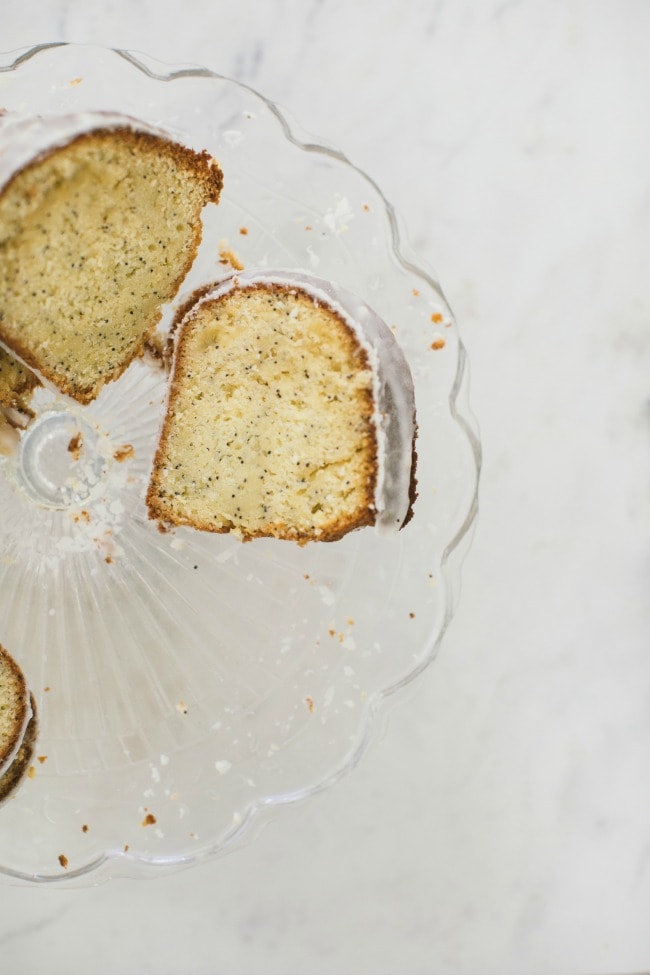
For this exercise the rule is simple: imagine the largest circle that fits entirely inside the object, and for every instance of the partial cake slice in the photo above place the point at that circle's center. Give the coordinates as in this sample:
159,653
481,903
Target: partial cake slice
100,221
16,386
290,414
16,381
17,715
11,778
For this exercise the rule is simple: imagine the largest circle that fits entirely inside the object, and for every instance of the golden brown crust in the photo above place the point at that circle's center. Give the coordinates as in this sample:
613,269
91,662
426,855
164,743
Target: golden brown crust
14,696
87,394
18,688
208,175
333,533
200,163
17,382
164,512
18,768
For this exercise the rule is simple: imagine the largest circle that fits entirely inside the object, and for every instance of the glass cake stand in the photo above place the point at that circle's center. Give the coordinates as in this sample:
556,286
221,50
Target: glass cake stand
188,684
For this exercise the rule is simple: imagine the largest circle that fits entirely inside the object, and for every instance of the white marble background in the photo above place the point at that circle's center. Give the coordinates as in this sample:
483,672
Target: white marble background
502,824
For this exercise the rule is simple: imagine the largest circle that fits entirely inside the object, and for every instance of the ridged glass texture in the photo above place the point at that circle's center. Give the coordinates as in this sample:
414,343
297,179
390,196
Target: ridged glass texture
187,684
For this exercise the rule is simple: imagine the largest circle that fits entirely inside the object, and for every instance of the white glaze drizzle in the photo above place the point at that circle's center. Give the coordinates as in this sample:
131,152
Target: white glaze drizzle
393,394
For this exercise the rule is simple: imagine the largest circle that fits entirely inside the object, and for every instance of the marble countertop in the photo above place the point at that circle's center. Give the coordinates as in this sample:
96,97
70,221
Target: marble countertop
501,823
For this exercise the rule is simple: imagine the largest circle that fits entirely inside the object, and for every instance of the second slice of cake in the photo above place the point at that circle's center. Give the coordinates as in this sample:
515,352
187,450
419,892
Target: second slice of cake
287,415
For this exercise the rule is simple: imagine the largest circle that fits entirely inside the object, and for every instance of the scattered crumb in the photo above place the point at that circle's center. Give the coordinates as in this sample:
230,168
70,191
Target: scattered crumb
149,820
124,452
108,560
243,231
75,446
82,516
309,227
366,208
415,292
436,317
182,707
309,701
438,344
42,758
85,828
31,772
75,82
228,256
344,637
411,616
126,847
63,860
47,690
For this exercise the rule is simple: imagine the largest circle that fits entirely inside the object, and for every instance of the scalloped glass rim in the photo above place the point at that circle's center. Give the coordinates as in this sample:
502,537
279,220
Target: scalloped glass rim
114,862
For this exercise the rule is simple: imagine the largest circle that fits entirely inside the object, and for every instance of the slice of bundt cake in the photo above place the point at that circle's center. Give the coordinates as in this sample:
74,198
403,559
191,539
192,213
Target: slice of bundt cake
16,713
290,414
100,220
